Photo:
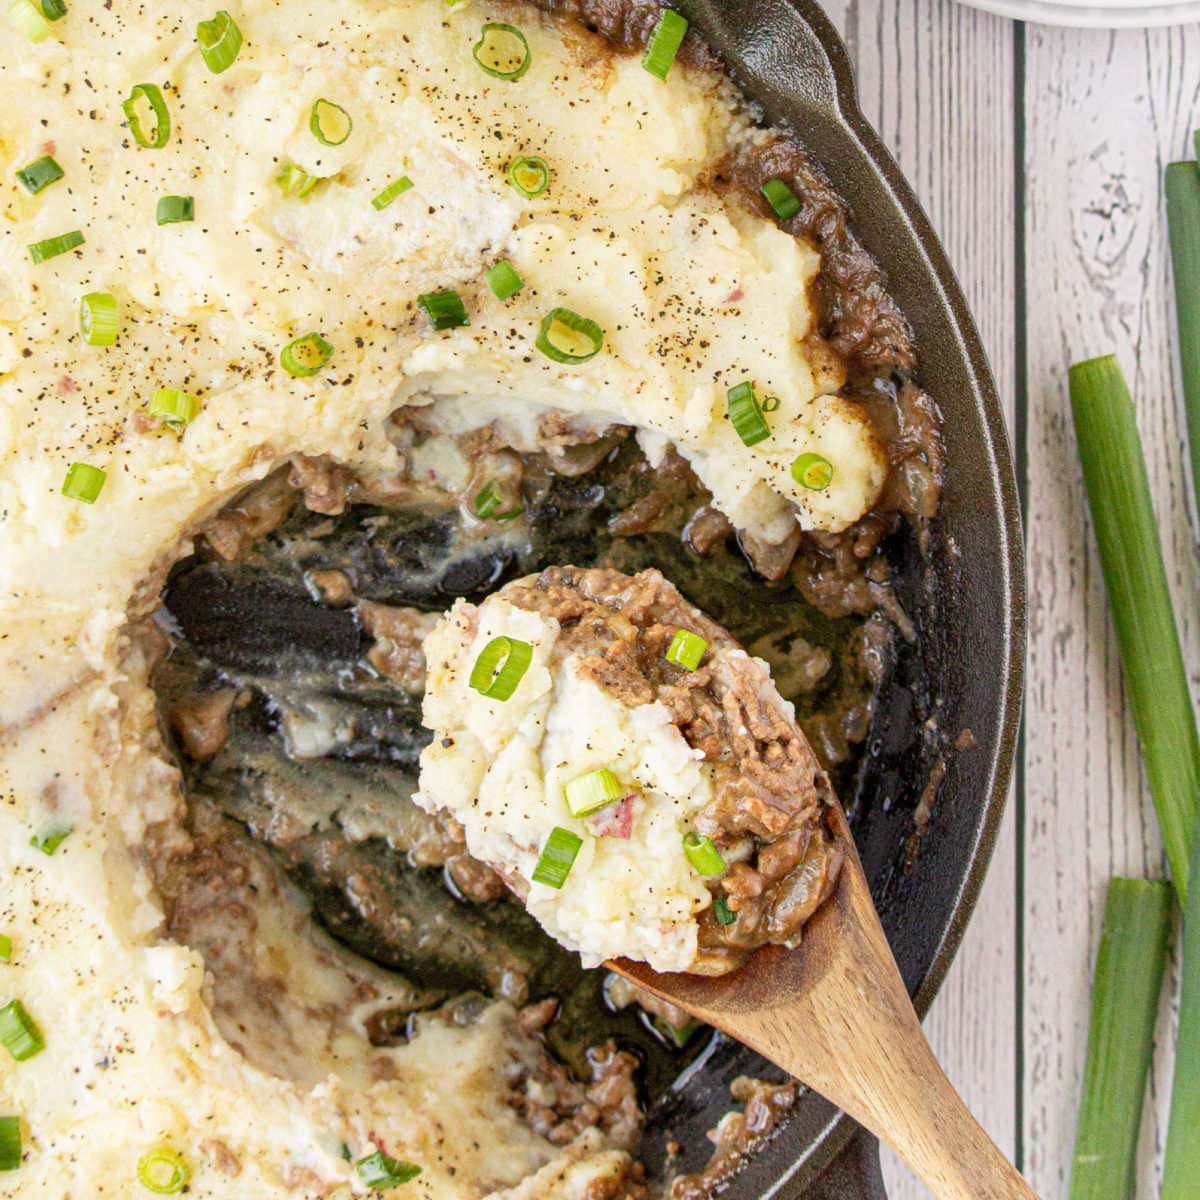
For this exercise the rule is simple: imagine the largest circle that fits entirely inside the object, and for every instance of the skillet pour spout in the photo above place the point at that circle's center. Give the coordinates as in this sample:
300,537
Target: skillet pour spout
835,1014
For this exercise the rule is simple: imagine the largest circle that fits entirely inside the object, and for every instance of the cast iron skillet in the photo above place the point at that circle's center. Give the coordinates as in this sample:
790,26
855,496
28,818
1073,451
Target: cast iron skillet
968,602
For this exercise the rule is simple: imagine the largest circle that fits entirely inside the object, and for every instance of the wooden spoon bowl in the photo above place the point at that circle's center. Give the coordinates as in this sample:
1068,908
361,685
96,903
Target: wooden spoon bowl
835,1014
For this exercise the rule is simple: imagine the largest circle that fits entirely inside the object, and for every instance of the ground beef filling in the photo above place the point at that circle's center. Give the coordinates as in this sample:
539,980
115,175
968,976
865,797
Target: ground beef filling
769,815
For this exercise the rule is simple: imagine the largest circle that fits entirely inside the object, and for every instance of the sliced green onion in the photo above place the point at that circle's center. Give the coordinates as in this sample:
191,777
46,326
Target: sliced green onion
174,407
703,854
557,857
40,252
305,355
295,180
679,1034
502,51
329,123
686,649
1183,220
220,40
781,198
770,404
721,910
40,173
529,174
1129,971
501,665
488,500
813,471
19,1032
53,10
503,279
174,210
566,337
396,188
10,1143
381,1172
98,321
163,1172
47,843
83,482
153,96
27,20
745,415
445,309
5,948
664,43
592,791
346,1152
1181,1167
1152,663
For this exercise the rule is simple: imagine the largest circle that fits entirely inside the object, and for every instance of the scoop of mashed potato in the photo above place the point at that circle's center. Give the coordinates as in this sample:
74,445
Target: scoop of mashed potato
644,807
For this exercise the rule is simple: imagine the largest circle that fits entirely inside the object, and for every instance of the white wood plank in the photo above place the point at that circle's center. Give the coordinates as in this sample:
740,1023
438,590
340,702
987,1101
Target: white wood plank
936,80
1105,112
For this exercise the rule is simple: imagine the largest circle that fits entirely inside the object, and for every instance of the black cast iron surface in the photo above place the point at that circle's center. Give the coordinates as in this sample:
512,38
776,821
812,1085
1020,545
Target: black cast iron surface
968,603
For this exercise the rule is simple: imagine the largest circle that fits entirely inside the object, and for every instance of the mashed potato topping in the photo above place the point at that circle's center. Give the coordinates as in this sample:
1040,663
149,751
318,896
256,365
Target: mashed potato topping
501,767
693,296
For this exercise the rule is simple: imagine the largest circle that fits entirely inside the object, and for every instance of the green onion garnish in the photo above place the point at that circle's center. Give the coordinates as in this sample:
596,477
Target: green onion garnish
501,665
488,500
10,1143
163,1172
566,337
329,123
295,180
503,279
745,415
445,309
703,854
151,95
1129,971
529,174
53,247
381,1172
220,40
813,472
5,948
592,791
781,198
173,210
40,173
47,843
19,1032
664,43
557,857
98,321
1156,679
396,188
305,355
1181,1166
721,910
770,404
83,482
27,20
679,1034
53,10
502,51
174,407
686,649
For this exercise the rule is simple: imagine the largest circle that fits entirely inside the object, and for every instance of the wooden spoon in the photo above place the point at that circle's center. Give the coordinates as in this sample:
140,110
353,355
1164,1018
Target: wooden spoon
835,1014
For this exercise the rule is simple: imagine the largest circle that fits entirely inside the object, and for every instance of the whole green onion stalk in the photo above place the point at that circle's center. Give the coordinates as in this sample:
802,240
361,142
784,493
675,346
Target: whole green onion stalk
1183,221
1181,1172
1129,971
1151,659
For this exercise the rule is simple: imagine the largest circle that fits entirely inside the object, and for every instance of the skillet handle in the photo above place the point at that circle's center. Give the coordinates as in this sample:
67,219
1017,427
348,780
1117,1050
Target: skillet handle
854,1175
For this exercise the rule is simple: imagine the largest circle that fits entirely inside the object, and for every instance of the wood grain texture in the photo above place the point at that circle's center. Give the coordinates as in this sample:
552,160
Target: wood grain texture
1105,113
936,81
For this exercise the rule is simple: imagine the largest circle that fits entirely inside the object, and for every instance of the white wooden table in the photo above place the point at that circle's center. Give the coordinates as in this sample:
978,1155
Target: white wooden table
1038,153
